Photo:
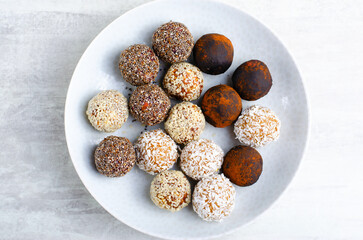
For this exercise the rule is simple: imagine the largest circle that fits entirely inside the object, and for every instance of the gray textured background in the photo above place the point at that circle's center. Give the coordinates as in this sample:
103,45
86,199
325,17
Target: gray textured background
41,196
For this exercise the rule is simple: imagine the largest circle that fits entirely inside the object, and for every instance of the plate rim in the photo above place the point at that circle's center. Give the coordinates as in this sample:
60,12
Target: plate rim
308,119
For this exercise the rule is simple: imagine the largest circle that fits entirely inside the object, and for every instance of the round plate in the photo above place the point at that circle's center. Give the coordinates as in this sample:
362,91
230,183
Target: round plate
127,198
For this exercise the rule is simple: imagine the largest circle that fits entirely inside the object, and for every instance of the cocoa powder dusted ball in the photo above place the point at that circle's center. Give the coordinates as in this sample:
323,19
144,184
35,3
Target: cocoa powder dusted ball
139,65
213,53
155,151
149,104
170,190
183,81
114,156
185,122
252,80
221,105
242,165
173,42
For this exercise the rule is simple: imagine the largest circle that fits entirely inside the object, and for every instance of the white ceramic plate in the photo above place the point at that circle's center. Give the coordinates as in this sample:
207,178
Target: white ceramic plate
127,198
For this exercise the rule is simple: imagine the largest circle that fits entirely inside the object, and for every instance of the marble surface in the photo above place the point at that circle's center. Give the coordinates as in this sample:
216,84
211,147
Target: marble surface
41,196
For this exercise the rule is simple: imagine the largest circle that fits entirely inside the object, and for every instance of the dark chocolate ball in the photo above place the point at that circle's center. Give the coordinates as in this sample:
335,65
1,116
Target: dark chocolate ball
213,53
221,105
242,165
252,80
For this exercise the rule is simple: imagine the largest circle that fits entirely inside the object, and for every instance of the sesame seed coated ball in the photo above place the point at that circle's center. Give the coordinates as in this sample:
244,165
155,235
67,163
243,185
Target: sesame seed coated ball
185,122
139,65
183,81
108,111
155,151
173,42
201,158
257,126
149,104
213,198
170,190
114,156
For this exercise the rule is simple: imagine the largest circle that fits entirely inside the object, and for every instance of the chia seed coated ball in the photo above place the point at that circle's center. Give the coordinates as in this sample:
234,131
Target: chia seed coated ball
149,104
155,151
108,111
183,81
213,198
170,190
257,126
213,53
201,158
221,105
185,122
242,165
114,156
252,80
173,42
139,65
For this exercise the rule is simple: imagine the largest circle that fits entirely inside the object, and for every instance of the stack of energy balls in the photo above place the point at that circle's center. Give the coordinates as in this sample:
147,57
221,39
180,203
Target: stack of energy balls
156,151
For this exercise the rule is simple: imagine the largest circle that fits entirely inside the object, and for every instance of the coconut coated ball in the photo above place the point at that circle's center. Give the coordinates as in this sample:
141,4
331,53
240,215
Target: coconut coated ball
257,126
155,151
201,158
107,111
213,198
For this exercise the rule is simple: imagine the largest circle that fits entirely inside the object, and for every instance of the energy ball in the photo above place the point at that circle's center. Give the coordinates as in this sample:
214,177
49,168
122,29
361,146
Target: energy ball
155,151
185,122
257,126
242,165
170,190
149,104
108,111
213,198
173,42
114,156
252,80
201,158
139,65
183,81
213,53
221,106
